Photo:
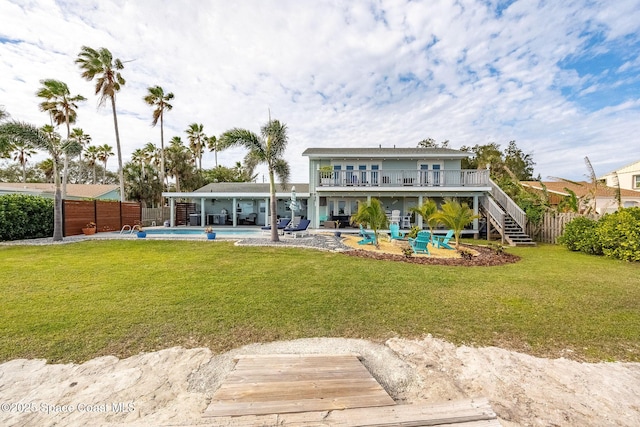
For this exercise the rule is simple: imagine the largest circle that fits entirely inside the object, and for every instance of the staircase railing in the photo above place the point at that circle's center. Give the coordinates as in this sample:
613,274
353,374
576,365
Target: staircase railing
508,205
495,212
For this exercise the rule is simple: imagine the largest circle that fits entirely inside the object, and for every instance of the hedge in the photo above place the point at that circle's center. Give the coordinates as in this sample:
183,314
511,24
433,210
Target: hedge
25,217
615,235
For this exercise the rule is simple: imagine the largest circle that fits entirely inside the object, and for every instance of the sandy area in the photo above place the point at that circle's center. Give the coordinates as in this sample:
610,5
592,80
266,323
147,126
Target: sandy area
395,247
174,386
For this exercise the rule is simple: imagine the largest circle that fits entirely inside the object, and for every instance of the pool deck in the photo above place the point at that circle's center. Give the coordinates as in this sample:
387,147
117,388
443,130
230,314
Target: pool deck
317,239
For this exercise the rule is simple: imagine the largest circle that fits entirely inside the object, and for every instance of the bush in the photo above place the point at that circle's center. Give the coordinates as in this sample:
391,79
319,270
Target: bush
581,235
619,234
25,217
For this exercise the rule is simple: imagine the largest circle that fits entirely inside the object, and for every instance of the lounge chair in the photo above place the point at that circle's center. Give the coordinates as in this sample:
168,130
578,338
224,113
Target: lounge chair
419,244
396,234
300,230
281,225
443,241
366,237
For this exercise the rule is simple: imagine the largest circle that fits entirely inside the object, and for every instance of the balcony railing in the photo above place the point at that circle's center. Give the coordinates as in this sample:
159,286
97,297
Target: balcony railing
404,178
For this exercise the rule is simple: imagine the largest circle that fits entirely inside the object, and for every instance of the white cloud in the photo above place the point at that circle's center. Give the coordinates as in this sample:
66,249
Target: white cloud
361,73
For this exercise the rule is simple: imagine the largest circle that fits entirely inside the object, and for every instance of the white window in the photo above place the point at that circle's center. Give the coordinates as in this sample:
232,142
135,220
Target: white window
636,181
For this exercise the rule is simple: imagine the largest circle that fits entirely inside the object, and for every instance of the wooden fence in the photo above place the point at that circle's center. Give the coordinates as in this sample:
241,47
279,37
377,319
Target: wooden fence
157,215
108,216
551,227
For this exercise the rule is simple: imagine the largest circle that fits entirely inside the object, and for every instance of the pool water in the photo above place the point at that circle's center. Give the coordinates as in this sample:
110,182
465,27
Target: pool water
196,231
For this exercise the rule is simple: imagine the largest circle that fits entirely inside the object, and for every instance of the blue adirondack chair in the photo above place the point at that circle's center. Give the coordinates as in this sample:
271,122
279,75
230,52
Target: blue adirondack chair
419,244
396,234
443,241
366,237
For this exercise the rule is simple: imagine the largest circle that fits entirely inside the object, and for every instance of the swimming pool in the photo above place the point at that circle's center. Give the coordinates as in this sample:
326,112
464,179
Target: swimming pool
220,233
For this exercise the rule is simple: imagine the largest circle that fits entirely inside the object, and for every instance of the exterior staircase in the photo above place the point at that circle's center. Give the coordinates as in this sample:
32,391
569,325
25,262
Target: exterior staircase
506,218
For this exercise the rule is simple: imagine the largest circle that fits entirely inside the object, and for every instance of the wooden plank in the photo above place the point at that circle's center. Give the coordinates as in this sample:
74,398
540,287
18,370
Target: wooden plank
460,413
448,413
270,384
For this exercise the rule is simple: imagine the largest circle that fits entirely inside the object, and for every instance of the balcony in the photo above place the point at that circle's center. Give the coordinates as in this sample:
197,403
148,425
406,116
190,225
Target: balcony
404,178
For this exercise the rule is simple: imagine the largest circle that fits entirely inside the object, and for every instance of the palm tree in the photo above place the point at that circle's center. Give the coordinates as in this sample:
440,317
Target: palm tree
152,154
46,166
373,216
22,150
3,113
83,139
101,65
91,154
49,141
178,160
267,148
104,151
428,212
196,141
214,144
456,216
61,107
160,102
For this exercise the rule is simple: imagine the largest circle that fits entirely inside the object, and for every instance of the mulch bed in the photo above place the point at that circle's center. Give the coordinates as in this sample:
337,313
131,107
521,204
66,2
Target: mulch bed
486,257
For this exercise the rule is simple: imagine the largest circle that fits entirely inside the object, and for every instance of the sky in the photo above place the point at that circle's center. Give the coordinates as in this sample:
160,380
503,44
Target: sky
561,78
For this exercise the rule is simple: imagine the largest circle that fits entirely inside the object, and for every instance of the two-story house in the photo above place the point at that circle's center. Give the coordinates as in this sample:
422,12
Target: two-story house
340,179
401,178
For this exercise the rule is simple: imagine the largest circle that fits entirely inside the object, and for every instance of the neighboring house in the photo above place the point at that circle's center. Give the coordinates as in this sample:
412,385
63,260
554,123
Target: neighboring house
603,197
628,177
340,179
74,191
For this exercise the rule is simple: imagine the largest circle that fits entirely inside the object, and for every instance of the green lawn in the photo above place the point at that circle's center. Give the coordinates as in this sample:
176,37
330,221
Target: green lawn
77,301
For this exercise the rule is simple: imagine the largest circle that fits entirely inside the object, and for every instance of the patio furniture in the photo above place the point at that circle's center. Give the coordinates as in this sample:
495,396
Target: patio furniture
406,221
395,217
443,241
299,231
366,237
281,225
419,244
396,234
295,221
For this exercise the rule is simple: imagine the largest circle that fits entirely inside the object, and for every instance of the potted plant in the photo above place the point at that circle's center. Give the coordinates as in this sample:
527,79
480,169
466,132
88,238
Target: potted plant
89,229
141,233
210,233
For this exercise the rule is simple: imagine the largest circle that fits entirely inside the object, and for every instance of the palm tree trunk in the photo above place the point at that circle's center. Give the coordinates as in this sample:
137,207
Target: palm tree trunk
120,171
104,172
273,208
161,157
94,173
57,204
24,172
65,172
80,168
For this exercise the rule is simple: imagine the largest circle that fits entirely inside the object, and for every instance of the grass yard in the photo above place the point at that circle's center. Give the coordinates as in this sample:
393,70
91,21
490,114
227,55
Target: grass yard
77,301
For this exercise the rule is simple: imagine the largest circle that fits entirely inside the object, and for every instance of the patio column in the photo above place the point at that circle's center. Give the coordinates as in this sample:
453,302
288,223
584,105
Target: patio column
202,213
476,232
172,212
266,210
234,212
419,217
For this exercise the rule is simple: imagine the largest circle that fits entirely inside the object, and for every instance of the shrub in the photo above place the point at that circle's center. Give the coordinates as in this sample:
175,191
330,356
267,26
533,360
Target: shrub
25,217
619,234
581,235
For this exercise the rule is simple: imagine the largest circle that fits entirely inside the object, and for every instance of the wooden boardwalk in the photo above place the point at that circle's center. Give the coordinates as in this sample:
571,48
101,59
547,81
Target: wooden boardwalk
326,390
279,384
